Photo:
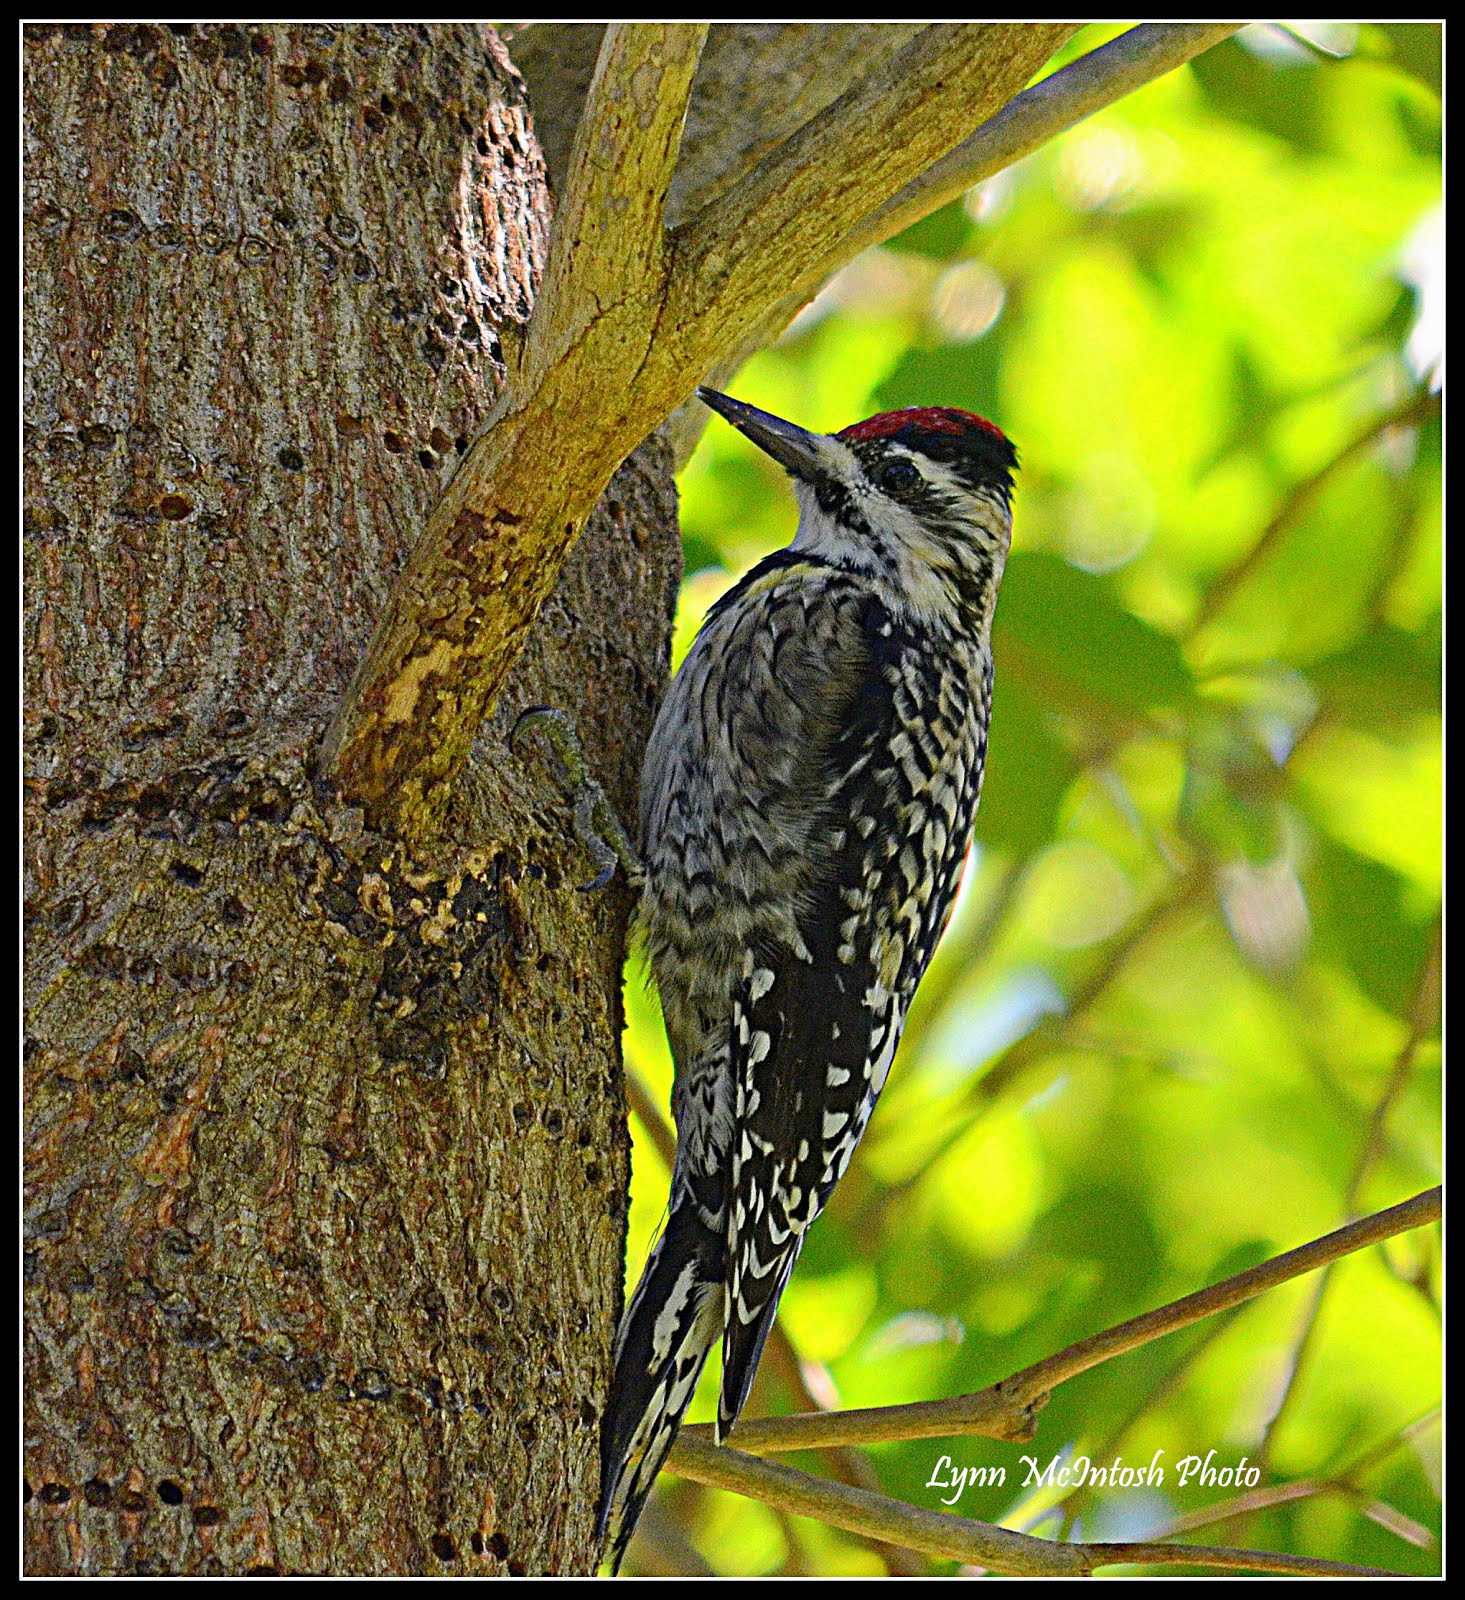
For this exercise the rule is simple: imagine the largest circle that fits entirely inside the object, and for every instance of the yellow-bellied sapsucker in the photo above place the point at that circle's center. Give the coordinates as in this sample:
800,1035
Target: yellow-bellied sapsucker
806,803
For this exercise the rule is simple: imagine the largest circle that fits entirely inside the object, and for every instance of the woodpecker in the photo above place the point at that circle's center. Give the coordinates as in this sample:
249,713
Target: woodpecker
807,800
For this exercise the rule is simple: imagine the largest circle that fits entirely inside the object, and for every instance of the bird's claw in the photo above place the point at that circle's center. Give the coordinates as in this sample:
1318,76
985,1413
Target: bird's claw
597,825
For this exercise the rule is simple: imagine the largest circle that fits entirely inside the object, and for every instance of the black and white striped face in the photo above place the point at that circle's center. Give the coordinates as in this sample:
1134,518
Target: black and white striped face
921,499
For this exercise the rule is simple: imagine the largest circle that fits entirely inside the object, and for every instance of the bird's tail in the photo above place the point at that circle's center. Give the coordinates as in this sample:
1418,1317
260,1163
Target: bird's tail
673,1320
752,1308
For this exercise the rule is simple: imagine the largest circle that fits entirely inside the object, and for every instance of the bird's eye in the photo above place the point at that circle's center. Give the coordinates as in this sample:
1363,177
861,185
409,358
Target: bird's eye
897,476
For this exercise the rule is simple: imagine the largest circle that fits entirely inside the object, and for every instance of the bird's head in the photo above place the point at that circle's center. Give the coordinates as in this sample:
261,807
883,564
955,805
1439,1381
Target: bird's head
919,499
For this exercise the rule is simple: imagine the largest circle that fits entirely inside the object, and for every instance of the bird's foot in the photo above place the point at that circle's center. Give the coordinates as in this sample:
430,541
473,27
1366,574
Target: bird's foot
598,826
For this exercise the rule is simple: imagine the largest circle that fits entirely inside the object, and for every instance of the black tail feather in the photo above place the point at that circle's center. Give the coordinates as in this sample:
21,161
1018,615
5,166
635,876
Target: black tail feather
742,1344
672,1322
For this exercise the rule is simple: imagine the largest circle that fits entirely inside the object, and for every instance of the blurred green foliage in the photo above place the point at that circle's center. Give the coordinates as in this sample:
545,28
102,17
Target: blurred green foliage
1186,1012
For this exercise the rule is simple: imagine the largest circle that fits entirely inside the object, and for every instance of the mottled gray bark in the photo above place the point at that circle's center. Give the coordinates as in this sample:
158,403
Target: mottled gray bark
326,1144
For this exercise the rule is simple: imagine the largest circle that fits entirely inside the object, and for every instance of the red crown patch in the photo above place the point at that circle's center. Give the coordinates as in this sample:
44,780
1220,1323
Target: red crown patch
927,419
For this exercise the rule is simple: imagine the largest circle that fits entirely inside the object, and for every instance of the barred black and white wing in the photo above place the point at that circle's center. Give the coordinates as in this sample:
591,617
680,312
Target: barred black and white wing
811,1059
817,1021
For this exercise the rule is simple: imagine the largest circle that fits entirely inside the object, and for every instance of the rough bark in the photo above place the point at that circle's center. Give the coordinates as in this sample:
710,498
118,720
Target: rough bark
326,1149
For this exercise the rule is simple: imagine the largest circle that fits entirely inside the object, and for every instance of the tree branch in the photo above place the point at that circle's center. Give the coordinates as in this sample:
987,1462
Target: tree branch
608,233
938,1533
458,613
757,83
1008,1410
783,228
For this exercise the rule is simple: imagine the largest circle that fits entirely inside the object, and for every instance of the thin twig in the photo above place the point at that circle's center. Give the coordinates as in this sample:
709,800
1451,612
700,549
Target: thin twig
1255,1501
981,1544
1346,1482
1368,1459
646,1111
1008,1410
1223,1558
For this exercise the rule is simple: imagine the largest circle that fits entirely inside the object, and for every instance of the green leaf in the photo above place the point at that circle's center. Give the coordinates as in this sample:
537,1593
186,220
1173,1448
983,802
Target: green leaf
1074,642
1369,920
1416,48
1386,673
1029,769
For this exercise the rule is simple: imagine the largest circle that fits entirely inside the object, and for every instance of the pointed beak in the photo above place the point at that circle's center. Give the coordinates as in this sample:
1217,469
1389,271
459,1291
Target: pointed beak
792,447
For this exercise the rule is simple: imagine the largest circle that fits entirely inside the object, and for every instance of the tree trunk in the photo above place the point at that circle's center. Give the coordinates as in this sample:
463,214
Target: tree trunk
327,1154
